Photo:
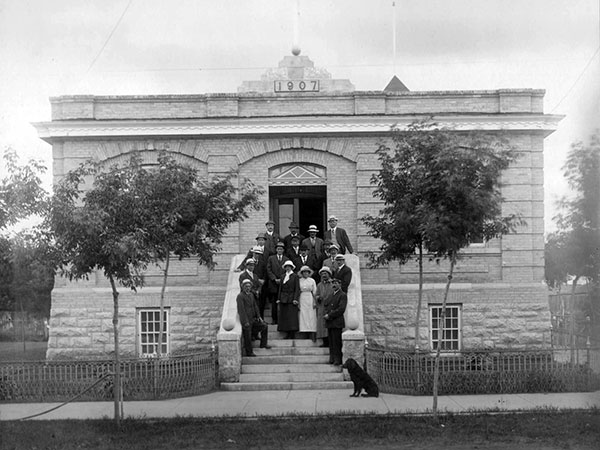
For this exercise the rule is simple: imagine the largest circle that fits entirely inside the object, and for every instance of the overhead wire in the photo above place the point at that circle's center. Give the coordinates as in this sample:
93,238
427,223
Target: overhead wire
112,32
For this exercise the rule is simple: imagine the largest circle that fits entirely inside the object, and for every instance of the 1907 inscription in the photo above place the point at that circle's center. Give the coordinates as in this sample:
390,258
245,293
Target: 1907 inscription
296,86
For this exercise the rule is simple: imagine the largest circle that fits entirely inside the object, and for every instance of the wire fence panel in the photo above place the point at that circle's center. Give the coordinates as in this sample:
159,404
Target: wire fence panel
142,379
484,372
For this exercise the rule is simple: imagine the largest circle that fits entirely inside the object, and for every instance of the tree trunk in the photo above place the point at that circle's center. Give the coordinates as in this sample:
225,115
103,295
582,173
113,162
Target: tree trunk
23,326
572,338
420,297
162,305
442,318
117,377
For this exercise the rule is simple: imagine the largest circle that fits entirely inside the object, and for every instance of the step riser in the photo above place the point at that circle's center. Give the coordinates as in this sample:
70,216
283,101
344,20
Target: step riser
291,351
285,360
290,368
287,386
290,377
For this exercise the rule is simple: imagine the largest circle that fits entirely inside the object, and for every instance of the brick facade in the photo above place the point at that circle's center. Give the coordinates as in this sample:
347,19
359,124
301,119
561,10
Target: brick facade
498,284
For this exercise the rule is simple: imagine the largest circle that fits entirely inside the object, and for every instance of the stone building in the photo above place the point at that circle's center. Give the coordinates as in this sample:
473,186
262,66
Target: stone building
309,140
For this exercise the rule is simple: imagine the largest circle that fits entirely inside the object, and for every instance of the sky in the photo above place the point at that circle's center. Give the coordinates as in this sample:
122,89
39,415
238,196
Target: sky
136,47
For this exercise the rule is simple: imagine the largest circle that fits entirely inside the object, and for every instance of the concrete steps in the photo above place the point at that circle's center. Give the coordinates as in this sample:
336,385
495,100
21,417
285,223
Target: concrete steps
291,364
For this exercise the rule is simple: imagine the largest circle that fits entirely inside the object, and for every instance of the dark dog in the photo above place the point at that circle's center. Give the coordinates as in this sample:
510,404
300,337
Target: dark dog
361,379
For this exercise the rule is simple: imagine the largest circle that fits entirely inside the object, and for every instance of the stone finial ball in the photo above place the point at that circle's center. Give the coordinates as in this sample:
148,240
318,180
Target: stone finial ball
228,324
352,323
296,50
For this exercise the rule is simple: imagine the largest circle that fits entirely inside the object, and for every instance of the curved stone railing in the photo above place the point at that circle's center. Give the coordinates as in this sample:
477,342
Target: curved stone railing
230,330
354,335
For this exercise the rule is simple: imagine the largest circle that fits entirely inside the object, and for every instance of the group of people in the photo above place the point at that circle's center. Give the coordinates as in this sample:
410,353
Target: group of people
305,280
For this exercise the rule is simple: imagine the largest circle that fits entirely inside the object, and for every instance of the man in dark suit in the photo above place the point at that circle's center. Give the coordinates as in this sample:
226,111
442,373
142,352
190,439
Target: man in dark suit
344,273
271,238
260,244
293,251
314,243
248,274
335,306
305,259
252,323
294,233
275,272
338,236
260,270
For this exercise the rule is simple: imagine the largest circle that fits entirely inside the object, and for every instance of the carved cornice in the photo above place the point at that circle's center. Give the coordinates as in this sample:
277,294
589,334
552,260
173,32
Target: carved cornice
322,125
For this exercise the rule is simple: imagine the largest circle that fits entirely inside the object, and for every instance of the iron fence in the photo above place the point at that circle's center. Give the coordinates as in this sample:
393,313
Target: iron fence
483,372
142,379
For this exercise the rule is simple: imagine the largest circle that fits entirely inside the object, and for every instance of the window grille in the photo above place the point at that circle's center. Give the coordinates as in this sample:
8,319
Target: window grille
148,326
451,336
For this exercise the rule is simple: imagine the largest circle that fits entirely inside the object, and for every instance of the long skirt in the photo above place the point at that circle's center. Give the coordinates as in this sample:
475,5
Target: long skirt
321,330
287,317
308,315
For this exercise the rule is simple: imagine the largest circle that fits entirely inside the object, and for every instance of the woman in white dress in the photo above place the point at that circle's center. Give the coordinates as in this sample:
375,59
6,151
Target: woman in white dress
308,314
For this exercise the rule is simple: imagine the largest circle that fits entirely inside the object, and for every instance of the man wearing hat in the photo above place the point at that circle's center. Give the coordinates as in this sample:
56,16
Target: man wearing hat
260,270
344,273
259,248
248,274
335,307
314,243
275,273
252,323
294,233
305,259
293,252
338,236
331,262
271,238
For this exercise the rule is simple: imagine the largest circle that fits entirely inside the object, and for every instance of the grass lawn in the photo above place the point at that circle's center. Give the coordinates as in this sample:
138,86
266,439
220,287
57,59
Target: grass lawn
544,429
16,351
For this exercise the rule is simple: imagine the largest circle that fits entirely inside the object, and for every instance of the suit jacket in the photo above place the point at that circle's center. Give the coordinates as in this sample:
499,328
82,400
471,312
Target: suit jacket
270,242
288,241
311,262
290,291
342,240
344,274
292,254
316,249
255,282
261,264
335,306
275,271
247,308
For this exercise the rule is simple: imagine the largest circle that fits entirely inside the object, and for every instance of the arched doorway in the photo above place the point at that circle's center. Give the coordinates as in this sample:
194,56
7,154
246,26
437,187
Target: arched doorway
298,193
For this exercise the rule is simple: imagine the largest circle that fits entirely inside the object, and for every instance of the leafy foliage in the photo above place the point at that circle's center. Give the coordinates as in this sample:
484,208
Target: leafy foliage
21,192
578,221
136,214
440,189
185,215
26,274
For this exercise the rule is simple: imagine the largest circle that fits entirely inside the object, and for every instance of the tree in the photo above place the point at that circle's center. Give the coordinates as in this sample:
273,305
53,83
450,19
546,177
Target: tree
136,215
99,229
21,191
24,278
441,191
574,250
187,216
